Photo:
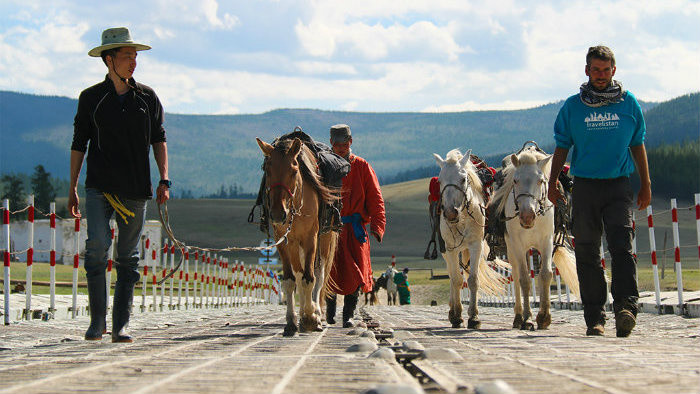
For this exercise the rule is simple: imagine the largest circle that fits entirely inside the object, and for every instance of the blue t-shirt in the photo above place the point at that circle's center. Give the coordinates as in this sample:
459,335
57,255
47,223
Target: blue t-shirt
600,136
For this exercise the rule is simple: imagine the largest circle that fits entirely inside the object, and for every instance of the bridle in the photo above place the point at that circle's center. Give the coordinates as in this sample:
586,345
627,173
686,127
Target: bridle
294,211
466,204
541,201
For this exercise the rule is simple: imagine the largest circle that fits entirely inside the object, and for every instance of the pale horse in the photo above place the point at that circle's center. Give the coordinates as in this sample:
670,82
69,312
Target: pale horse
523,196
462,228
391,290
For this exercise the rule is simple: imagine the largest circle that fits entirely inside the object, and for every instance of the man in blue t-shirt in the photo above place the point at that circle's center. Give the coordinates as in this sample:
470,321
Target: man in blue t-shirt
604,126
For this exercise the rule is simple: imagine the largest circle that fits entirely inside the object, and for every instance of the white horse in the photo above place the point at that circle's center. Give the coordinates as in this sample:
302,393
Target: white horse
391,290
462,228
523,196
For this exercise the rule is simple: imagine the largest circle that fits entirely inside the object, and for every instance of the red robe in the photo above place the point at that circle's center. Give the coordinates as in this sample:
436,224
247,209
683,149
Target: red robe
352,267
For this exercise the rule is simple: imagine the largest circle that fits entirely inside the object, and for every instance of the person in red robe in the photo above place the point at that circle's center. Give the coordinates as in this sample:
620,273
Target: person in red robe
362,205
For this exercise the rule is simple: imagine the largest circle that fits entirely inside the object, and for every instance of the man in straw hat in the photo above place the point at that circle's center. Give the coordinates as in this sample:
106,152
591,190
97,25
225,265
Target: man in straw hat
117,122
363,204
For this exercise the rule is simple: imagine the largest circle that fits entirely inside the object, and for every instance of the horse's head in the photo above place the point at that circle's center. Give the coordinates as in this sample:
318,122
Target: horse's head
530,184
454,183
282,176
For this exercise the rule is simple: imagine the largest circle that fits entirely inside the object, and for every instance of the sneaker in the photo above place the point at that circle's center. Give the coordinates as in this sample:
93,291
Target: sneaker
624,323
348,324
597,330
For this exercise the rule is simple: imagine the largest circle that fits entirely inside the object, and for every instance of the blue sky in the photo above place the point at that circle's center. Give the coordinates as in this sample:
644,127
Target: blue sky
230,57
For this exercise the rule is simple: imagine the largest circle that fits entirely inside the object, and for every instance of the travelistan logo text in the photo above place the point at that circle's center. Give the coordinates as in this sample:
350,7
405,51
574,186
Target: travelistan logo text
606,121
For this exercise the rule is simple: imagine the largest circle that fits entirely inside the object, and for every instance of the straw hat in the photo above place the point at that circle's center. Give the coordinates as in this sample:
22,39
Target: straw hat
114,38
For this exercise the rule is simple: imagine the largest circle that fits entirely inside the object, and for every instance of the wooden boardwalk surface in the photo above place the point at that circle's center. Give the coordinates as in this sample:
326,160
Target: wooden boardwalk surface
241,350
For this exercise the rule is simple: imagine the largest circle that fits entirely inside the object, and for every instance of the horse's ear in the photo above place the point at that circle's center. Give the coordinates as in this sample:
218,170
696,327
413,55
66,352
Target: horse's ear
542,164
439,160
465,159
264,146
296,147
514,160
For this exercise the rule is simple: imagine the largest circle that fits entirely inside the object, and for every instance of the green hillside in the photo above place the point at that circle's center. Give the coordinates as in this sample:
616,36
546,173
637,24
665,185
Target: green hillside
208,151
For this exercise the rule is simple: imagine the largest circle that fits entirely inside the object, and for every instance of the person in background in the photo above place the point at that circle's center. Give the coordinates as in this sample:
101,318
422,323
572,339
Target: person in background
402,285
117,122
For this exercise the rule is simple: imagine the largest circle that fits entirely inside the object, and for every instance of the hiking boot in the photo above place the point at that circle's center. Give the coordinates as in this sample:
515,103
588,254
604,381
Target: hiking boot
597,330
624,323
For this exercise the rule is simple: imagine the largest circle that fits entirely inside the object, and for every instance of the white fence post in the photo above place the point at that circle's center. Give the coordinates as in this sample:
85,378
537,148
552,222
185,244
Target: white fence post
110,260
52,258
677,255
6,257
30,258
76,264
655,267
697,221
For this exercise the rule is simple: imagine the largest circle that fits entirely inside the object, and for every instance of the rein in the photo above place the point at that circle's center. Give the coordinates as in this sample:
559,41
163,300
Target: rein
165,222
164,219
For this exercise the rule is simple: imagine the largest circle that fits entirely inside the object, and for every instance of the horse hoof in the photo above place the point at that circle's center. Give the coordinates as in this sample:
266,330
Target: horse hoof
309,324
290,330
473,324
528,326
458,324
543,321
518,321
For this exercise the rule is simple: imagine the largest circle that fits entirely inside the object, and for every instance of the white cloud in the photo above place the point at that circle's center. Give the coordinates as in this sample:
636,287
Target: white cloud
476,106
210,9
396,55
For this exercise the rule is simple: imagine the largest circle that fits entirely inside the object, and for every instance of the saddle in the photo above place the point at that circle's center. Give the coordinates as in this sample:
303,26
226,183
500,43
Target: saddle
496,224
486,175
333,169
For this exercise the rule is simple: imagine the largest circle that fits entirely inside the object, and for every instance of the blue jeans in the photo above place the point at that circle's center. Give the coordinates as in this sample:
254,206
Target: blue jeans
99,212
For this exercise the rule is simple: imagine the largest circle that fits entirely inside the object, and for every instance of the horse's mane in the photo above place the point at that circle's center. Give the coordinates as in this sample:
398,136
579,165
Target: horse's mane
307,163
527,156
453,157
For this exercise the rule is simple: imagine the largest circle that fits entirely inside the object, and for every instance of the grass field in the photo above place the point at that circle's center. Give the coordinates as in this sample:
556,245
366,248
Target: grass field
223,223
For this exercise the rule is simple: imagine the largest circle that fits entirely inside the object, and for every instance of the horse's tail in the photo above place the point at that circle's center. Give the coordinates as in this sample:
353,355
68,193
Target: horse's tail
327,257
565,261
490,281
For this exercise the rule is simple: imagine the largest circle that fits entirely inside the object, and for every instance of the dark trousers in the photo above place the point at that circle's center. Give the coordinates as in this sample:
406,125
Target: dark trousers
349,305
597,205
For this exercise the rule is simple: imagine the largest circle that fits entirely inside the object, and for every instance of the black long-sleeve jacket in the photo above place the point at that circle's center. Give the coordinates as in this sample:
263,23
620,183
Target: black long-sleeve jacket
120,136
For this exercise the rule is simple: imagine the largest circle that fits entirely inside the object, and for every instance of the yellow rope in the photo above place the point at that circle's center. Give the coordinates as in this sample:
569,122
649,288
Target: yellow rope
118,207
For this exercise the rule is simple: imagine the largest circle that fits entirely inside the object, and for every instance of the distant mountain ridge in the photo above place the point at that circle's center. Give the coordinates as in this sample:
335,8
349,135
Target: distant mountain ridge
207,151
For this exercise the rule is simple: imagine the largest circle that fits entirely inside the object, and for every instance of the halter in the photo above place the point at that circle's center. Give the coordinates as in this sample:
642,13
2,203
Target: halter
283,186
541,202
294,211
466,204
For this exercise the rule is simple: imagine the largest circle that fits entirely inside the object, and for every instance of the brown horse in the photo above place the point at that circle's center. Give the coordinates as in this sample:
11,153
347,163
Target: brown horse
295,196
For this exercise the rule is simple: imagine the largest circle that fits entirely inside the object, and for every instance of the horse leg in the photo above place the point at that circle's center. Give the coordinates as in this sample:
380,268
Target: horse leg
289,285
307,309
544,317
517,272
318,284
473,282
525,286
455,314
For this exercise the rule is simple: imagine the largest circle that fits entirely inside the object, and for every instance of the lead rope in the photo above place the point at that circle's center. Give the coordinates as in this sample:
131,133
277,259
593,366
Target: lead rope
164,218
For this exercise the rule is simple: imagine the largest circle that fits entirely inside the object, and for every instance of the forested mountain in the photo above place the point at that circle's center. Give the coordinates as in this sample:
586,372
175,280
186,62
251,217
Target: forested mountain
207,152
